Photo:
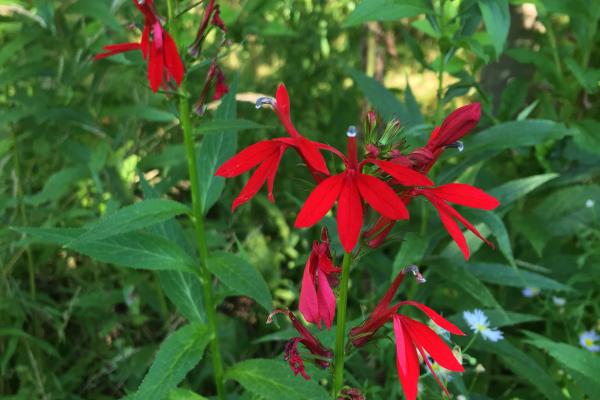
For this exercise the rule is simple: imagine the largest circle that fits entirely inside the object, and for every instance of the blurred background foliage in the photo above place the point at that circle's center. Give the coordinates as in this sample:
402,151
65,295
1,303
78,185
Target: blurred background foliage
80,139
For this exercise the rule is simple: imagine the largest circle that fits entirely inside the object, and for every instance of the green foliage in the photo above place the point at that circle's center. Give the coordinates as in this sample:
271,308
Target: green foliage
99,266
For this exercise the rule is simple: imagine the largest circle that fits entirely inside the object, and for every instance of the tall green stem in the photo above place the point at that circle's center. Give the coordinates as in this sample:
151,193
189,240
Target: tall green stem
340,330
198,219
184,117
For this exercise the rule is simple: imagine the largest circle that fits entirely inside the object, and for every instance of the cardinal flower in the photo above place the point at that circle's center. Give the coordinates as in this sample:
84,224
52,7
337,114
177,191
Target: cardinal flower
317,301
267,154
157,46
322,354
411,337
463,194
460,122
350,188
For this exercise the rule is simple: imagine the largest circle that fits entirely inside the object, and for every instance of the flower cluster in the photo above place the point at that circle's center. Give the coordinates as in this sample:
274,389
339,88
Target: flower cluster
383,179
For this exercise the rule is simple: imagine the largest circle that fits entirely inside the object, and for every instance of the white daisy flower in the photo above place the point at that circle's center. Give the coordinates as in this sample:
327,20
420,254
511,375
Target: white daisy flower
530,291
589,203
559,301
588,340
479,323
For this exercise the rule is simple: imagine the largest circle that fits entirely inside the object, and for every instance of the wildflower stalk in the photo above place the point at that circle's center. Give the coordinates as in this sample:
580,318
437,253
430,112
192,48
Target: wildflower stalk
198,220
340,330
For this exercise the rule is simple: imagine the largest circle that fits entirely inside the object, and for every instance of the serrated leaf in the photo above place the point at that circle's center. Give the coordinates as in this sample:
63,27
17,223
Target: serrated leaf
241,277
178,354
215,150
508,276
582,361
386,10
131,218
384,101
496,17
220,125
274,380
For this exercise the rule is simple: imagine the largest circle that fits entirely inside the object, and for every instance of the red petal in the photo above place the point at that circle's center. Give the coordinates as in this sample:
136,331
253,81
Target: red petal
449,223
172,59
312,156
112,49
407,361
437,379
437,318
404,175
271,175
381,197
466,195
326,300
319,201
248,158
349,214
424,337
457,124
264,171
283,101
155,68
145,41
452,212
308,305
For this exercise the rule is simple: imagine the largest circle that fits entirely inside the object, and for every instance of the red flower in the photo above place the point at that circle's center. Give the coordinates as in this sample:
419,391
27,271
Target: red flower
411,336
350,187
463,194
211,10
158,47
268,154
382,313
314,346
317,301
351,394
460,122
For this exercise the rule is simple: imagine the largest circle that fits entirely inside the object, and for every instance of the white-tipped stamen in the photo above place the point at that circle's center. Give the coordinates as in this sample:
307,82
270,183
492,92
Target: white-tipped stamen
261,101
415,271
458,145
351,132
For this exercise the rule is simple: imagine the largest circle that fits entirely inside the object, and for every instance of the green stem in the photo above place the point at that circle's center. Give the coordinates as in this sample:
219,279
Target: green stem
470,343
440,89
340,330
184,117
198,219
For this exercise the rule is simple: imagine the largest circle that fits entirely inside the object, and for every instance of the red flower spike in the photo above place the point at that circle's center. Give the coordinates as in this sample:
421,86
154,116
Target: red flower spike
460,122
314,346
458,193
157,46
412,337
382,312
317,301
349,188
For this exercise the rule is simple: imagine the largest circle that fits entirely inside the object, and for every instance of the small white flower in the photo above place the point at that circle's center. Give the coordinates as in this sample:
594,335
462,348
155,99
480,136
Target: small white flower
461,397
479,323
588,339
530,292
589,203
559,301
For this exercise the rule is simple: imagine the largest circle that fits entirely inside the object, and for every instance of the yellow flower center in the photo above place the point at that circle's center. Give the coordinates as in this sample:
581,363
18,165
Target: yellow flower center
588,342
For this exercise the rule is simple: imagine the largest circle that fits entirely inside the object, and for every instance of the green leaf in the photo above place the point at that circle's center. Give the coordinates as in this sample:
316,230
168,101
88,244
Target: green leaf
386,10
522,365
508,276
384,101
513,190
498,229
215,150
232,125
274,380
137,250
515,134
582,361
241,277
98,10
141,112
131,218
184,394
178,354
496,17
